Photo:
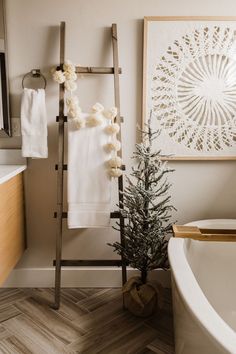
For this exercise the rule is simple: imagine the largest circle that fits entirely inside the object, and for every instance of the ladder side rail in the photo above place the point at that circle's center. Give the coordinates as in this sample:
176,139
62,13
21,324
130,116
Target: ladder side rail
118,120
60,179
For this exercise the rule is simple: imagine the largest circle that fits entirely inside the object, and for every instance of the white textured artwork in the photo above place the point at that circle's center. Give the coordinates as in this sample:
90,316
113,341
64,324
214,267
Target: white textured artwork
190,86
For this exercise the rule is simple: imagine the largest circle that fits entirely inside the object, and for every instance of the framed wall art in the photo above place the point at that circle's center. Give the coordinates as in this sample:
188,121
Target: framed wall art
189,85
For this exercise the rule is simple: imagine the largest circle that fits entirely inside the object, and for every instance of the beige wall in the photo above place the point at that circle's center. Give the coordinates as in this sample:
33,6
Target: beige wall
200,189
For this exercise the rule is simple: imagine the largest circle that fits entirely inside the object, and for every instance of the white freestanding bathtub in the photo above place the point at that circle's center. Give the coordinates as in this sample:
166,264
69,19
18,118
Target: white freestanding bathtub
204,292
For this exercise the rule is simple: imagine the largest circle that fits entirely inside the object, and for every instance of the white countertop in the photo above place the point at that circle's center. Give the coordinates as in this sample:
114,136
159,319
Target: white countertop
11,164
9,171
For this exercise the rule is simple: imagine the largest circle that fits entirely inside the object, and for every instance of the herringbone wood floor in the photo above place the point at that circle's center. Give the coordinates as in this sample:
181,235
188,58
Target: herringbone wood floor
89,321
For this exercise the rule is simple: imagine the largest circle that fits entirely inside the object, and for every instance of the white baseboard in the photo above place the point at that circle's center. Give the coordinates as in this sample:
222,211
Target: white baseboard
76,277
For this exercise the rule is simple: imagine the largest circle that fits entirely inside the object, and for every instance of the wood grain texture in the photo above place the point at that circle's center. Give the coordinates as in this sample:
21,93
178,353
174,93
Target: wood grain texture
68,309
10,296
89,321
102,337
12,345
133,342
190,18
60,174
59,326
8,312
95,301
12,238
95,70
4,333
103,314
195,233
119,136
161,347
36,339
144,83
72,294
199,158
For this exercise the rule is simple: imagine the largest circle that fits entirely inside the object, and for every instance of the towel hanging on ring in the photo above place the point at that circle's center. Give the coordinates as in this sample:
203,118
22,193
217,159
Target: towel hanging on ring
34,124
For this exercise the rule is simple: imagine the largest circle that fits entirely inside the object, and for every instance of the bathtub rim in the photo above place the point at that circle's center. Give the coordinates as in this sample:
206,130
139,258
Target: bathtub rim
214,224
208,319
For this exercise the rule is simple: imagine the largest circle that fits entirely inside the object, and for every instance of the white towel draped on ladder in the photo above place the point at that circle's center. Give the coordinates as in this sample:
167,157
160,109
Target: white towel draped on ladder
34,124
89,186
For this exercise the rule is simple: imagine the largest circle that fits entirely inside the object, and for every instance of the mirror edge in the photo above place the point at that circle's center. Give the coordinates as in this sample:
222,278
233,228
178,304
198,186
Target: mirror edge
6,131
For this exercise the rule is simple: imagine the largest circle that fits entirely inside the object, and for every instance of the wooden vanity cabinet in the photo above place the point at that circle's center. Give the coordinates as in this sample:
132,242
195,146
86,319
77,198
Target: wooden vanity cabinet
12,224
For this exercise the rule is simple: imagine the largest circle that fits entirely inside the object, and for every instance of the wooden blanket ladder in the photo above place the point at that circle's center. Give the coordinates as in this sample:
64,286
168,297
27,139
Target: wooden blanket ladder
61,167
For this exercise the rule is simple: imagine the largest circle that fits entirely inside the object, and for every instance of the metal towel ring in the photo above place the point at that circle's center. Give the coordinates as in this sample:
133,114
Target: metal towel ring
34,73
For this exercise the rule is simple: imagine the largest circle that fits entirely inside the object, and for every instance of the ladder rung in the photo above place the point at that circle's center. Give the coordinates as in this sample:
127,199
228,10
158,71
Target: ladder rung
64,215
89,263
114,215
65,167
95,70
65,119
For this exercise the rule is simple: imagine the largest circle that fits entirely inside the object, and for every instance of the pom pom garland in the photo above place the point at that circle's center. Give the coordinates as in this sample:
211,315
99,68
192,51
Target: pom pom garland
72,101
94,120
70,85
111,113
67,76
113,128
79,123
115,172
70,76
115,162
74,112
69,66
114,146
98,107
59,76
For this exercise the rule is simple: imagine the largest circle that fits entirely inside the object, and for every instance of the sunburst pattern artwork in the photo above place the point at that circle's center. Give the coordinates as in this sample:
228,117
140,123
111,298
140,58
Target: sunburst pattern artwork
191,87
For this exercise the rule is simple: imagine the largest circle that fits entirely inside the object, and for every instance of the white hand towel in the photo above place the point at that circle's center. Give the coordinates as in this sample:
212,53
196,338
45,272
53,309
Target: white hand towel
89,186
34,124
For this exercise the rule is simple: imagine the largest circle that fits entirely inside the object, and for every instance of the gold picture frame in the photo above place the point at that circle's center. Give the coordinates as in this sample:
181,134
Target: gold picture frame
188,134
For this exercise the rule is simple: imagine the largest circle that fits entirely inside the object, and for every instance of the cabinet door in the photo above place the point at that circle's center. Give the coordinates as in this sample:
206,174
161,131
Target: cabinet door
12,233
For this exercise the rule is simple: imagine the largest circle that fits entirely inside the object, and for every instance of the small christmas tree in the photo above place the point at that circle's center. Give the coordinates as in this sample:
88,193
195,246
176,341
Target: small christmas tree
147,210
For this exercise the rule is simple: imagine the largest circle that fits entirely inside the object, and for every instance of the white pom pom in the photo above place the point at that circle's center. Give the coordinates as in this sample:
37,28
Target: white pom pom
69,66
94,120
71,114
113,128
98,107
111,113
115,162
115,146
72,101
79,123
115,172
59,76
71,76
74,112
70,85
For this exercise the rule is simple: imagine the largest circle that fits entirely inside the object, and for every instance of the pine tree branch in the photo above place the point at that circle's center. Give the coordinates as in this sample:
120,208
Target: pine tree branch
146,208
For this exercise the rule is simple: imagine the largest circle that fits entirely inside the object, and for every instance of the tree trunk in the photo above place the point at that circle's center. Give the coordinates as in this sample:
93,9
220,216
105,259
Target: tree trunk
144,276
